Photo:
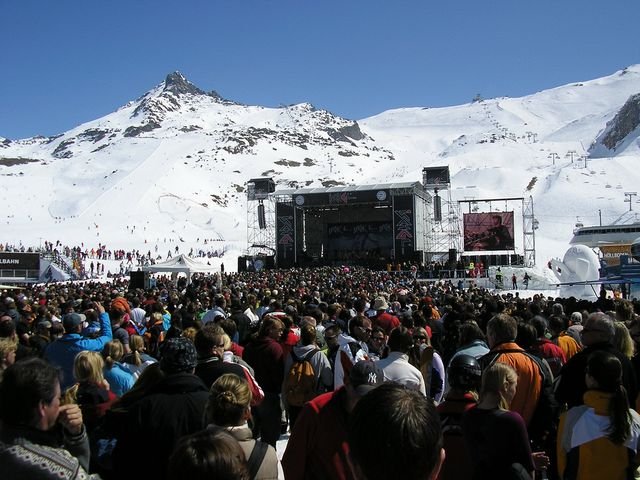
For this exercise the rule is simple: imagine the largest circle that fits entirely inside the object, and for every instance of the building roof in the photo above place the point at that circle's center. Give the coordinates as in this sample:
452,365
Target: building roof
349,188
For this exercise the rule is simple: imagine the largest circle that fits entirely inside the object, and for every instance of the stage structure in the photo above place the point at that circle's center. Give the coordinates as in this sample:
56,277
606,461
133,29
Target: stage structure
443,218
490,233
371,225
261,228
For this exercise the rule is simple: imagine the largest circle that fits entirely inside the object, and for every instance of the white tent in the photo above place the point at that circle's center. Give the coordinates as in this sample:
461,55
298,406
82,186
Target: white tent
180,264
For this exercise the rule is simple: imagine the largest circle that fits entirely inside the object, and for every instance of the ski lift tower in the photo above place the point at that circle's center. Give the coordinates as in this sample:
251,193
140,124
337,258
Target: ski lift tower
443,219
261,226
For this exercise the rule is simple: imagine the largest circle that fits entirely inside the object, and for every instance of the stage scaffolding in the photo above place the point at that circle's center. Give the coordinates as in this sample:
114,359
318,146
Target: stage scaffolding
261,215
442,219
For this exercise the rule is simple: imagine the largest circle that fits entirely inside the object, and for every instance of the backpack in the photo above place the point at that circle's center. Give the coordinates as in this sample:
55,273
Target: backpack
300,384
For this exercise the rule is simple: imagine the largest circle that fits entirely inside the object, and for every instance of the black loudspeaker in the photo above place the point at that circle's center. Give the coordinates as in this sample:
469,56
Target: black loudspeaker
138,279
242,264
437,208
269,262
453,255
262,223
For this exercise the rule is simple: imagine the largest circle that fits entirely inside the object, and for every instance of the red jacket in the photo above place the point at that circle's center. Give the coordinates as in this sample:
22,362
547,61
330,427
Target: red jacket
318,448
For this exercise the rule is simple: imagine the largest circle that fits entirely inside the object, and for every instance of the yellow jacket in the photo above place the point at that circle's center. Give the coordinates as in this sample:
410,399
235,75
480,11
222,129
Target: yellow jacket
584,450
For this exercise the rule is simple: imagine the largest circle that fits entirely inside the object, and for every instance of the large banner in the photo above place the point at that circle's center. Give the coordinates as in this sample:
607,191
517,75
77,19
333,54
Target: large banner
405,232
611,253
285,235
488,231
19,261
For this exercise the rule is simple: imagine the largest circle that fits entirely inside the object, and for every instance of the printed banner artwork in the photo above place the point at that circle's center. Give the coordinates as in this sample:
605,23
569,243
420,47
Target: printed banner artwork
488,231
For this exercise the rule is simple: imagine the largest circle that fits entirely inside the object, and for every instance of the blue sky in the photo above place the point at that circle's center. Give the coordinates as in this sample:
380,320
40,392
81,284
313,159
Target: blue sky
69,61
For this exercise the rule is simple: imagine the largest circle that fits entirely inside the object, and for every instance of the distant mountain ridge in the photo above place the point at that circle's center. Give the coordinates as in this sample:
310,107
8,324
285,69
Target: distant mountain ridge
177,159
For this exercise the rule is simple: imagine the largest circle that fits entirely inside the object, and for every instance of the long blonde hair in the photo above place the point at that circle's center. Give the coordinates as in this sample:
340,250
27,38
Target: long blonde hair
88,366
493,380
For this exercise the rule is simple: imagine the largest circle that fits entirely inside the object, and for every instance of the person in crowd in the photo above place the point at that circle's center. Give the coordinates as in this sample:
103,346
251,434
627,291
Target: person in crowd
561,337
599,439
91,392
396,367
153,421
496,438
138,315
265,355
40,438
209,344
428,361
575,327
331,336
408,423
464,376
542,347
8,330
622,340
207,455
383,318
241,325
377,344
137,359
229,407
471,341
62,351
116,374
353,348
117,316
318,447
597,334
41,338
218,309
300,385
8,348
501,333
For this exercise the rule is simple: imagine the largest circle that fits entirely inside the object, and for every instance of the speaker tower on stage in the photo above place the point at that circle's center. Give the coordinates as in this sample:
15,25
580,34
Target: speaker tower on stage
261,229
443,220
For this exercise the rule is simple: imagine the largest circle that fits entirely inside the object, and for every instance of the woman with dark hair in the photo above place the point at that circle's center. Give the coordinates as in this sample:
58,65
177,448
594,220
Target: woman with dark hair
600,438
265,355
206,455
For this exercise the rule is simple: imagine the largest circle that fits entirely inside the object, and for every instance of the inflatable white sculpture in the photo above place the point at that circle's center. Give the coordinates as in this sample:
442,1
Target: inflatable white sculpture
580,263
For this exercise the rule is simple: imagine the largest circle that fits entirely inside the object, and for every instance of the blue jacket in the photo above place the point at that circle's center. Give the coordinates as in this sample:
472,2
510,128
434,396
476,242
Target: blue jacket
120,379
63,351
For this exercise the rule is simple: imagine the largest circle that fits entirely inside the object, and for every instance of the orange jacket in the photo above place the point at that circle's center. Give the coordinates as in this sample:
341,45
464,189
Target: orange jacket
529,378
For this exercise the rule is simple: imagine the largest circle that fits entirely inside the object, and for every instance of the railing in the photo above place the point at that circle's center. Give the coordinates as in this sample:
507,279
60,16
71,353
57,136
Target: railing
61,262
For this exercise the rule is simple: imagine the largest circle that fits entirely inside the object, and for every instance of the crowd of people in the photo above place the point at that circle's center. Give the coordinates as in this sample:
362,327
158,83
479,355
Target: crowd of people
373,374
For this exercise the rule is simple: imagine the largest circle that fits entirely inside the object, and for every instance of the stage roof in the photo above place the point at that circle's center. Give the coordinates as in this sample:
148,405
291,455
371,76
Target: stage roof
349,188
